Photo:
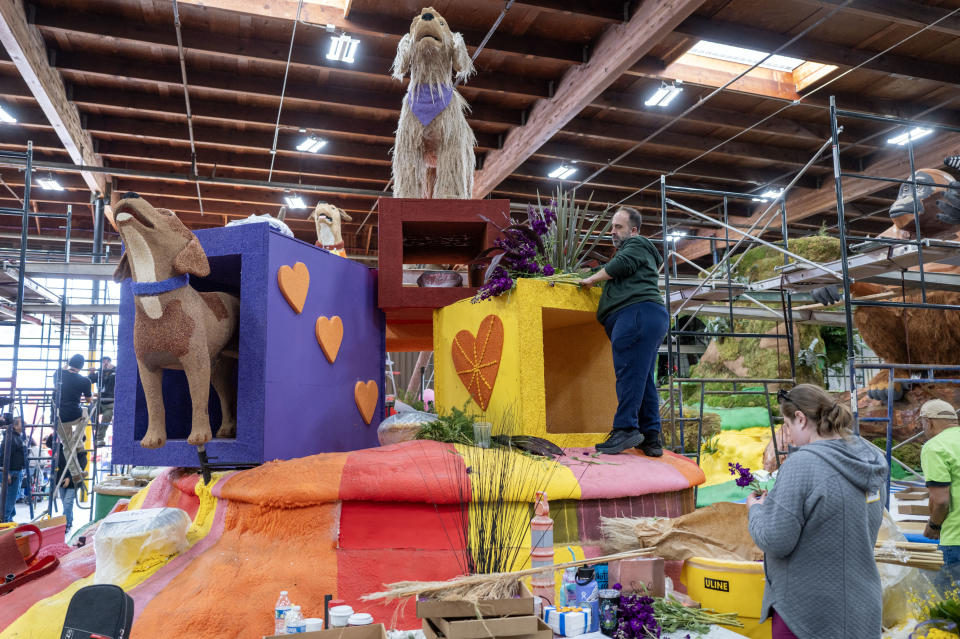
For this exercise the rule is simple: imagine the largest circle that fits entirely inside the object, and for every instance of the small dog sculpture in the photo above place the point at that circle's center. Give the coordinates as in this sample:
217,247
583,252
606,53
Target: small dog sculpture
176,326
327,217
433,153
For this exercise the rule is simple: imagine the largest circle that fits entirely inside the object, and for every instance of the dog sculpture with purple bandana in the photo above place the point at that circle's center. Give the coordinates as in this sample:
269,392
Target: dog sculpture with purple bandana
433,154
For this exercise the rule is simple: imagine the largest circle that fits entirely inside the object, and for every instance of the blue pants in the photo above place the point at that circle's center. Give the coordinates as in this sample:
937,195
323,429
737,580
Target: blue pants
948,577
68,495
636,333
10,507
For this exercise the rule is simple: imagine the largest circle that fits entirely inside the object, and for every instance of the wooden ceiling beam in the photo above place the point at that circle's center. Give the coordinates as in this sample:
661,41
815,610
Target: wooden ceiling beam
904,12
891,164
816,50
298,94
781,126
27,50
619,48
648,162
306,56
627,133
123,154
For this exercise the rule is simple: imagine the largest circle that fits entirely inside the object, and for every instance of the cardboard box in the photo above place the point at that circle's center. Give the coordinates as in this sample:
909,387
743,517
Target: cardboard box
911,494
914,509
503,627
515,606
373,631
639,574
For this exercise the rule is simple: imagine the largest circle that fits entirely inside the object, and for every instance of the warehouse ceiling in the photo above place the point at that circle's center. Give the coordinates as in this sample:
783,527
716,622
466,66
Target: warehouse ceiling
100,83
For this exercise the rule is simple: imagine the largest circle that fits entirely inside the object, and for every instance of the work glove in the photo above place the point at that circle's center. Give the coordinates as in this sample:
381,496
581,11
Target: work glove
827,295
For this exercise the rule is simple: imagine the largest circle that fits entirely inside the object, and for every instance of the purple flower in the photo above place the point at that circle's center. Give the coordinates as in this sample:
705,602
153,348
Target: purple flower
539,226
617,587
548,269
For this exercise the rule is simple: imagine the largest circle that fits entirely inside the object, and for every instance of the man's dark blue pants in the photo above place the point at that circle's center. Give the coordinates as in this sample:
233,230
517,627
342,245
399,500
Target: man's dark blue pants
636,333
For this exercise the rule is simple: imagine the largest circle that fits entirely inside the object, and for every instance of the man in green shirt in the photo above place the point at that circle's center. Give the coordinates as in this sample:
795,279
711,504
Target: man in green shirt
632,312
940,459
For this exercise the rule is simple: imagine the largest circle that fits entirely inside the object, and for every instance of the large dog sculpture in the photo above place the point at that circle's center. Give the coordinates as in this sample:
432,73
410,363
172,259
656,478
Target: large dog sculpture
176,326
433,154
912,335
328,218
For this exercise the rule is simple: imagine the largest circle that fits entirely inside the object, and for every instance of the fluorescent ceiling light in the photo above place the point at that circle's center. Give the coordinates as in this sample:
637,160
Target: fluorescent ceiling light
664,95
562,172
343,48
915,133
312,144
6,117
740,55
294,202
49,184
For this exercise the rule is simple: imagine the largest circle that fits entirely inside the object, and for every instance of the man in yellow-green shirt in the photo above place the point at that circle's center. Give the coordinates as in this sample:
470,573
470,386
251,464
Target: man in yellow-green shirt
940,459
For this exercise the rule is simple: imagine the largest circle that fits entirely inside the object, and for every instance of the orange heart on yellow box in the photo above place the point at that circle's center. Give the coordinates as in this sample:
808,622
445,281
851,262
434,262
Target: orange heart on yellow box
366,395
330,336
477,359
294,284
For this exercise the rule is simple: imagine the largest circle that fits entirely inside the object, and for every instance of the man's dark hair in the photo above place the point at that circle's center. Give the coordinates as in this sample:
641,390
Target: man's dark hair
636,220
105,358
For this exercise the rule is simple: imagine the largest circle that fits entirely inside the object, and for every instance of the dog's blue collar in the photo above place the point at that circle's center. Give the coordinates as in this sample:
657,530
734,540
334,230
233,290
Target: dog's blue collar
163,286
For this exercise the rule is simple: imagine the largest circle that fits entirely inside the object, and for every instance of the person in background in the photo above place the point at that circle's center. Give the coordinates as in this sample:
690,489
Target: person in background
67,486
818,525
18,462
940,461
105,379
72,386
633,314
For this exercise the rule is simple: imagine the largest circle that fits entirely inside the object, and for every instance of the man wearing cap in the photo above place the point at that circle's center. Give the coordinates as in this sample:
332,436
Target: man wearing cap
940,459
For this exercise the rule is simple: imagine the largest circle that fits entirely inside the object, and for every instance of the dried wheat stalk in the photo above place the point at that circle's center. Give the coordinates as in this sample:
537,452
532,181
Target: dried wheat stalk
474,588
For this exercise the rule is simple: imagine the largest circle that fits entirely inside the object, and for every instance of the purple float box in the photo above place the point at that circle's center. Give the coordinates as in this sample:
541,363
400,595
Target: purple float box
291,401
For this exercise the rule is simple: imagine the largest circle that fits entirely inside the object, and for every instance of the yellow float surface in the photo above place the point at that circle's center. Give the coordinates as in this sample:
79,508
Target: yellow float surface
744,447
45,618
556,376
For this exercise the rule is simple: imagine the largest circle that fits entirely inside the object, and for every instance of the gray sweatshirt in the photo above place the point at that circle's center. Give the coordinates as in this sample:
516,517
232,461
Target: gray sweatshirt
817,529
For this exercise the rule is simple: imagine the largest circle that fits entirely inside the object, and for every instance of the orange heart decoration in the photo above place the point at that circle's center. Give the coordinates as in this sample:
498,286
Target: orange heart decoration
294,283
477,359
330,336
366,395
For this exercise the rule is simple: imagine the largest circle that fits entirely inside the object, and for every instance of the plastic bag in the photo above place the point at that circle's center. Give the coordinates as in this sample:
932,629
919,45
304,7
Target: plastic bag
899,582
260,219
402,427
128,537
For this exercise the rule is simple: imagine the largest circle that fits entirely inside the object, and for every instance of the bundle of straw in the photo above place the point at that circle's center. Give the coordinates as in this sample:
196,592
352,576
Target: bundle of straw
906,553
475,588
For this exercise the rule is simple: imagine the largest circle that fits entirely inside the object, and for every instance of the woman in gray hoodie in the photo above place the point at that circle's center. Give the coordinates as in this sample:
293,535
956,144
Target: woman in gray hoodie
818,525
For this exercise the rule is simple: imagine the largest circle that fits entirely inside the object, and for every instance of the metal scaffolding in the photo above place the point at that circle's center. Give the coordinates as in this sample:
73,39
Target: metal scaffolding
43,322
718,285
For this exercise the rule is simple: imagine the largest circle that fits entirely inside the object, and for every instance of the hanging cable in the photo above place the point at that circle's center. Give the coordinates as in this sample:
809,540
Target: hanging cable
756,124
283,91
703,101
186,98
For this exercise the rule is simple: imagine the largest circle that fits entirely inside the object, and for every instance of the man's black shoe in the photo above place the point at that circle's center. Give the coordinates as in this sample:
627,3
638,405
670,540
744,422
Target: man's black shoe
652,449
619,440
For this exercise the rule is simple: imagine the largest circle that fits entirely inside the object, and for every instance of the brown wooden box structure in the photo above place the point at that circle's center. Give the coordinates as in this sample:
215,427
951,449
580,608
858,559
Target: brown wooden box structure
413,231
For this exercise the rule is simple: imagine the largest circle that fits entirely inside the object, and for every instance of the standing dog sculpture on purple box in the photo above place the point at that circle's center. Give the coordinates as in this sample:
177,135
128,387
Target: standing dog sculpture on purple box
309,377
175,326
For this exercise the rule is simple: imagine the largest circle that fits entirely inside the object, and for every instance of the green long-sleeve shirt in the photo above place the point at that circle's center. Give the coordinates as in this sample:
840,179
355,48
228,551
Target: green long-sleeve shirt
635,273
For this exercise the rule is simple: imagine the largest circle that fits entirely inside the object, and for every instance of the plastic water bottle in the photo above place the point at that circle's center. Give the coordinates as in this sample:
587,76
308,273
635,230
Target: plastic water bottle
295,622
280,614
